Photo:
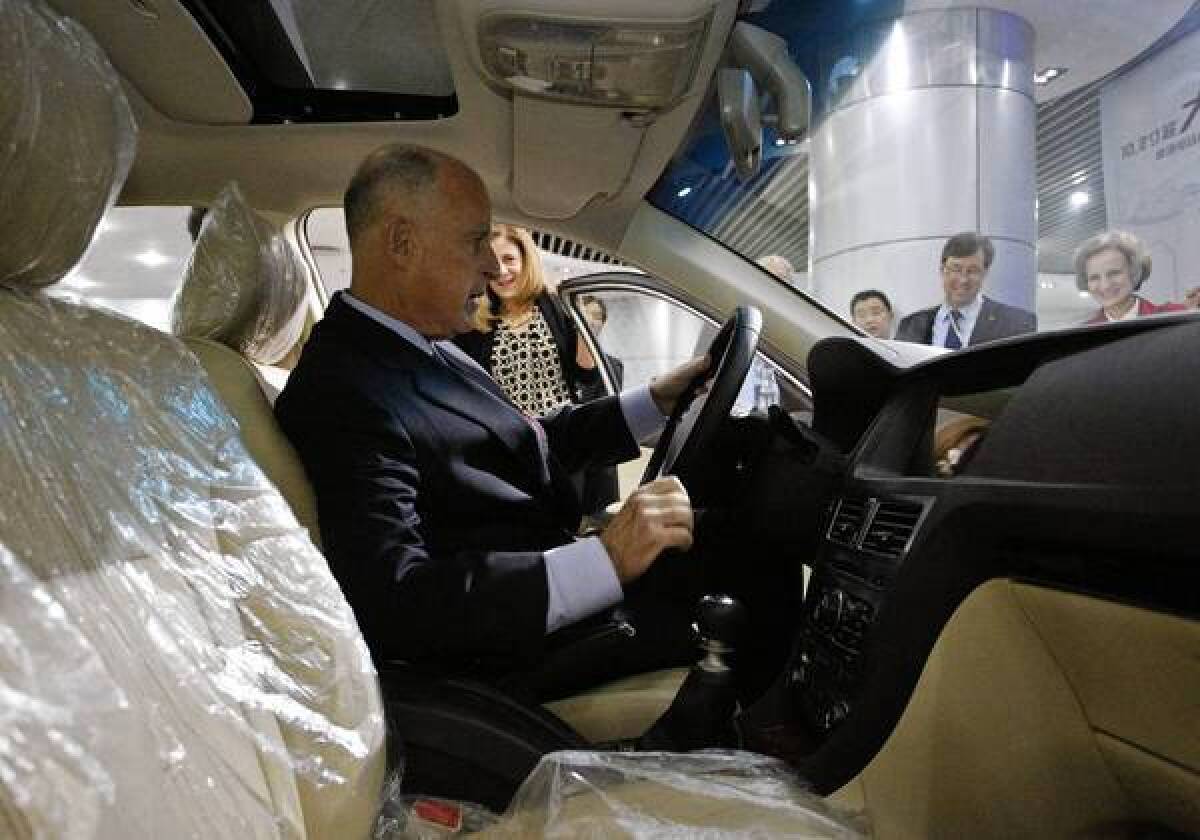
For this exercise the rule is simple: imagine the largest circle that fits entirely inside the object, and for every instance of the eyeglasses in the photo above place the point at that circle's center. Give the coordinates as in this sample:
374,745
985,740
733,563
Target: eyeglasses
971,273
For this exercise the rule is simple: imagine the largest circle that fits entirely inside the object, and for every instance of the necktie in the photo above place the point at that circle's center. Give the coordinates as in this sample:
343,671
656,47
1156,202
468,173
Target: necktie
953,339
466,368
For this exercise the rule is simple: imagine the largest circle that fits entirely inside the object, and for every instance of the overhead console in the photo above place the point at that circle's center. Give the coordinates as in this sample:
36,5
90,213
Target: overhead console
631,79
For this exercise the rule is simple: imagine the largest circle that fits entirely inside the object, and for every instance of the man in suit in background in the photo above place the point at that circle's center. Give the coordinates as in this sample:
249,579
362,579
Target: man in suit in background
965,317
447,515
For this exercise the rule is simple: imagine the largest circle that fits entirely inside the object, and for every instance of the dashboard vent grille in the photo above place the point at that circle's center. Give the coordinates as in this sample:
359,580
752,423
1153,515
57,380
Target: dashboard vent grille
892,527
848,520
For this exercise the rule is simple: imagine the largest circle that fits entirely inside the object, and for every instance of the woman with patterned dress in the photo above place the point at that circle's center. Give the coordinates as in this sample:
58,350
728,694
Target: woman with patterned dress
523,337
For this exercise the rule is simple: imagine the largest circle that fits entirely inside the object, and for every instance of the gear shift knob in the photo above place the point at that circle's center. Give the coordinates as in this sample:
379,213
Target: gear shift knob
720,624
701,715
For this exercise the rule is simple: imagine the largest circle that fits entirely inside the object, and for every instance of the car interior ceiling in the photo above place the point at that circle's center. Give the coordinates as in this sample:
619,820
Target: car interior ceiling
1008,649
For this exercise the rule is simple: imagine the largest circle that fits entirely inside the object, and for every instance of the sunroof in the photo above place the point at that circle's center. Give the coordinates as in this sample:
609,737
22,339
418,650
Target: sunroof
333,60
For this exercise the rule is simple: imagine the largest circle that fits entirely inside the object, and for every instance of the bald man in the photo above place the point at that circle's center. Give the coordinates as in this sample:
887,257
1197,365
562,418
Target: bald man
447,515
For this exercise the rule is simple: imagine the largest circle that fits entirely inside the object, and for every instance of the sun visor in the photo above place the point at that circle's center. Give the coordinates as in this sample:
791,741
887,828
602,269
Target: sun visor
555,170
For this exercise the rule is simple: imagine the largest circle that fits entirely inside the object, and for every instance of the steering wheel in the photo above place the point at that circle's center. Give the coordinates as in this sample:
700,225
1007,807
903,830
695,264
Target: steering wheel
693,424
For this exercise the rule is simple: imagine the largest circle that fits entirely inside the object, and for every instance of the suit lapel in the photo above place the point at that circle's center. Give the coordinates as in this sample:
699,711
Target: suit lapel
985,324
456,393
472,401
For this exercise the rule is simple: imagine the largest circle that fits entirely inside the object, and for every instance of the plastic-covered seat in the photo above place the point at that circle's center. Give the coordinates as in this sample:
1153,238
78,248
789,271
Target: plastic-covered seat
246,288
241,310
175,657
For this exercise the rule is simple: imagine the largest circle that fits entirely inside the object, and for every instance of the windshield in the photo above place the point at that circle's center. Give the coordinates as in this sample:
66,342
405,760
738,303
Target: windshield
967,174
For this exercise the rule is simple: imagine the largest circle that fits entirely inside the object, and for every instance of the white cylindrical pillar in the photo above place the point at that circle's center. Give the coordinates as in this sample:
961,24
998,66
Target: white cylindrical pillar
929,131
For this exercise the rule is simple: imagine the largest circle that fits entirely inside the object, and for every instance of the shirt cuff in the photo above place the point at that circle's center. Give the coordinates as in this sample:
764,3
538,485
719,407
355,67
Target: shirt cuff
581,581
641,413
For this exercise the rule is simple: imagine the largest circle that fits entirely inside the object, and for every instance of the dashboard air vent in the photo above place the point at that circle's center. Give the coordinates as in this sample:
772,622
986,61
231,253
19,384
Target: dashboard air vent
848,521
892,527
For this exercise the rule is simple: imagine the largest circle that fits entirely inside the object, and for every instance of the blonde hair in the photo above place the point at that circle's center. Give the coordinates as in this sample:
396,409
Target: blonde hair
531,280
1137,258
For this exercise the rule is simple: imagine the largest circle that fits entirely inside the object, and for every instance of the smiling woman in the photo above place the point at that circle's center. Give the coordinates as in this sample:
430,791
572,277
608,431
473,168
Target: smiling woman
523,337
1112,267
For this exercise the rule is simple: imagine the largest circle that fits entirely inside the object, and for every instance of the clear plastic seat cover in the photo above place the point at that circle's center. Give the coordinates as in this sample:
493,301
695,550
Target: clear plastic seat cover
175,657
244,286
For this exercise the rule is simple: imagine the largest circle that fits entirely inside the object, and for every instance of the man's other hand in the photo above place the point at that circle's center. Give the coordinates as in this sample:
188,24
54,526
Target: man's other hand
666,389
656,517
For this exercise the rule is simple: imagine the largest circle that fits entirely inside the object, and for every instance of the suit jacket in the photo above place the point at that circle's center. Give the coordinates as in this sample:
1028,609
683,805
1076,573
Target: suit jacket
996,320
434,501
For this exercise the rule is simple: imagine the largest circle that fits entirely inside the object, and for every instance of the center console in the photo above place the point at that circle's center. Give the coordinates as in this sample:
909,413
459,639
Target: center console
863,548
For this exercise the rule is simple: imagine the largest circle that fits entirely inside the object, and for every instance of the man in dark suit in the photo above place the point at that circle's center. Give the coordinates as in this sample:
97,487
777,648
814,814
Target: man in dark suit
447,515
965,317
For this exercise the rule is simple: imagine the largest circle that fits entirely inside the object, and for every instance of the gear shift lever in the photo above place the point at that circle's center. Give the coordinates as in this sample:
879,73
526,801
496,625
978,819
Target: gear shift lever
720,622
701,715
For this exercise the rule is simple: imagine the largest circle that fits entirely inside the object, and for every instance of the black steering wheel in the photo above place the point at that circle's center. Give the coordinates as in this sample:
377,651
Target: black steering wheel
697,417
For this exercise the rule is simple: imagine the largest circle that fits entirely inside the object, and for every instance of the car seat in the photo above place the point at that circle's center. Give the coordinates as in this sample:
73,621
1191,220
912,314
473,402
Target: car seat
175,657
245,287
243,307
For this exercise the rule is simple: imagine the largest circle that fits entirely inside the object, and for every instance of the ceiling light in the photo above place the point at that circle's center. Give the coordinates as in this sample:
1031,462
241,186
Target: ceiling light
1047,284
1048,74
1085,294
684,193
626,65
1079,198
152,258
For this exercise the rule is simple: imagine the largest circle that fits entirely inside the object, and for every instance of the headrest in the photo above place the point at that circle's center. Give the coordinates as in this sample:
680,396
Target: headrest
244,286
67,139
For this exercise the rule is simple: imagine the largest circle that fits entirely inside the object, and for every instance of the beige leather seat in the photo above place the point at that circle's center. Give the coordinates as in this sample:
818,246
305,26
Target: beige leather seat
175,658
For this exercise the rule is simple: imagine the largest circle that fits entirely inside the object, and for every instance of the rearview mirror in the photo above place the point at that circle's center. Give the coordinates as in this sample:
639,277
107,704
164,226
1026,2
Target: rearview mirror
760,59
766,57
741,121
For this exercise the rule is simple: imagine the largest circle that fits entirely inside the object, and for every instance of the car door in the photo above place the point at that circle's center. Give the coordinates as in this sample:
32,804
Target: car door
638,327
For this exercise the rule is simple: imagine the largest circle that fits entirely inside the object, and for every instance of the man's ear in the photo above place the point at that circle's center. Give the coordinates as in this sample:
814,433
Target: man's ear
400,238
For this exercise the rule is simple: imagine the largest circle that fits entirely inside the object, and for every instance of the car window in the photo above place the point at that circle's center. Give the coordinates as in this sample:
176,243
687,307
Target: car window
643,333
325,231
646,333
325,234
931,123
135,264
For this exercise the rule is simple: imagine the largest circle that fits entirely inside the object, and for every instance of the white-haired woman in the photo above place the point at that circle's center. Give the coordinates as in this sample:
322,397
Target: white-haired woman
1112,267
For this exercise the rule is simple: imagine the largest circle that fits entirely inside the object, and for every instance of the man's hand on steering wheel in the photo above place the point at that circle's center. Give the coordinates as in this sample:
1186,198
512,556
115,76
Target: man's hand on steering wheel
668,388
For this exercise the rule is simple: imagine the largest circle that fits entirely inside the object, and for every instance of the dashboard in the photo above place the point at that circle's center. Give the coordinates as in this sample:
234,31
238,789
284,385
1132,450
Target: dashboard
1092,444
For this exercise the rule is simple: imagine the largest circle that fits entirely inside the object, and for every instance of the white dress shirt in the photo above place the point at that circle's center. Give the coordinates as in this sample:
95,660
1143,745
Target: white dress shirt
969,314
